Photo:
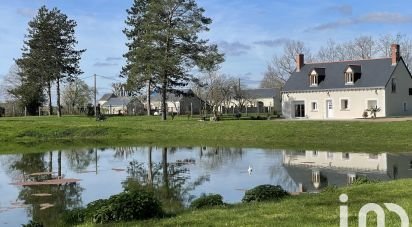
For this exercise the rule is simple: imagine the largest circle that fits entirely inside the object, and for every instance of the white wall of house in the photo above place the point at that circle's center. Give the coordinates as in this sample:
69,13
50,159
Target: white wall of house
357,102
355,161
101,102
114,109
273,103
399,102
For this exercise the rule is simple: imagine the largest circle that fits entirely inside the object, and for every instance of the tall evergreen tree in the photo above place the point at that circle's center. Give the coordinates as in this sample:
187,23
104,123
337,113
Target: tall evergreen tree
49,53
164,44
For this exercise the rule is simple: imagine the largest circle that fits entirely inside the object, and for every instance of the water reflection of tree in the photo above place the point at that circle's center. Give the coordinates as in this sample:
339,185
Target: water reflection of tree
123,152
79,160
169,181
62,196
213,158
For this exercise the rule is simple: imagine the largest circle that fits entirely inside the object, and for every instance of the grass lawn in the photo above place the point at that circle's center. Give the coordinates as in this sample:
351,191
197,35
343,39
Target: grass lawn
304,210
32,134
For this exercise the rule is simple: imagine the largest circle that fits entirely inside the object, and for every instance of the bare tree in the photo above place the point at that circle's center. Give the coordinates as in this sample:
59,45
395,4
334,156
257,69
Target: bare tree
272,79
285,64
120,89
10,82
364,47
240,96
76,94
216,89
328,52
384,46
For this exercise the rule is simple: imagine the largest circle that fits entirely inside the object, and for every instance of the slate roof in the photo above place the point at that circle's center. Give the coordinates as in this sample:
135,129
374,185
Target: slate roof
374,73
262,92
171,96
118,101
107,96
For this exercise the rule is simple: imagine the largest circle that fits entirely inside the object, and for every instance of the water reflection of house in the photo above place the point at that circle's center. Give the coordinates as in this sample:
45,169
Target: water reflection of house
315,170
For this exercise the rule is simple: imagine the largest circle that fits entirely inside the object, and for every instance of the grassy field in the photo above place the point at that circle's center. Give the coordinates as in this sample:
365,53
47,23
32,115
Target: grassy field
42,133
304,210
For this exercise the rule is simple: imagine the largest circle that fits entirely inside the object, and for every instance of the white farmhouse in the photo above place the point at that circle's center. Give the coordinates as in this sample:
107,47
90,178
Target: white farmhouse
345,89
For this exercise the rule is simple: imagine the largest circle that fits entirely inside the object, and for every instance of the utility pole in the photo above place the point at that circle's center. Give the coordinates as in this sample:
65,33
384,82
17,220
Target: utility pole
95,96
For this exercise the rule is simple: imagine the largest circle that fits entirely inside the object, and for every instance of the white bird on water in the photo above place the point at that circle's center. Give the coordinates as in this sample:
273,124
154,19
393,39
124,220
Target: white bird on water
250,170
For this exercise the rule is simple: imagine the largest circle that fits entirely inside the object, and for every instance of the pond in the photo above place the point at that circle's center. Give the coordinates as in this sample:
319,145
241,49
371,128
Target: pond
73,178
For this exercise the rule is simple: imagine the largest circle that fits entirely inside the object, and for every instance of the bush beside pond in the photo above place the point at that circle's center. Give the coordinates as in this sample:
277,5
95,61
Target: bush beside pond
264,192
207,201
363,180
126,206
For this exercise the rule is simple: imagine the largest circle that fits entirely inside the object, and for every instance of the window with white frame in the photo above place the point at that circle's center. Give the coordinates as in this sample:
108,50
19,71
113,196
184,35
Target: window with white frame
330,155
344,104
372,104
405,107
314,80
314,106
349,78
345,156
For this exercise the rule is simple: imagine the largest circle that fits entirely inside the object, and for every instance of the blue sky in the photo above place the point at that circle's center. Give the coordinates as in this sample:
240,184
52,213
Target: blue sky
249,32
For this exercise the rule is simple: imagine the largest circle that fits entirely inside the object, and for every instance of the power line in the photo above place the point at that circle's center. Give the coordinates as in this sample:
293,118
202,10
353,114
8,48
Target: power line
109,78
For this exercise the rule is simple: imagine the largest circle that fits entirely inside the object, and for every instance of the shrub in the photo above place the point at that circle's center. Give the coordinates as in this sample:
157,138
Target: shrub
90,110
126,206
365,114
363,180
330,188
264,192
259,118
33,224
238,115
75,216
207,201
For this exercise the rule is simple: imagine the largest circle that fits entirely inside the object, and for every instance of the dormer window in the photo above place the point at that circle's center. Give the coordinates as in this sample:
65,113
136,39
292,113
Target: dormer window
352,74
314,81
316,76
349,78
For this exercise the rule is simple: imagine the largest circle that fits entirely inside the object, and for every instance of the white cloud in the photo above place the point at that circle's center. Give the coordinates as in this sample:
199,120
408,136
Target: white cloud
26,12
370,18
234,48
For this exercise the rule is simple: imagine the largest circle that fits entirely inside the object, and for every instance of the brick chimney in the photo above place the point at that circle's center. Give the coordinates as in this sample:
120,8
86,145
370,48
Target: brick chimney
395,53
300,62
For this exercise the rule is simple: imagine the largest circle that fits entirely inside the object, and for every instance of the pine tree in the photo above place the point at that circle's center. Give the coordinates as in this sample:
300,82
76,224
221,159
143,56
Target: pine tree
49,53
164,44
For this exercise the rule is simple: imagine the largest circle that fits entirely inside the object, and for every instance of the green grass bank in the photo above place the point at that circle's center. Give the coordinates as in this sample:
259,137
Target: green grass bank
303,210
31,134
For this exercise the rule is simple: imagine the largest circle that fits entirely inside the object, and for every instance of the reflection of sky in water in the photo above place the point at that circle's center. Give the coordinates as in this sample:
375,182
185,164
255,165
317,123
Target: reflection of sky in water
226,169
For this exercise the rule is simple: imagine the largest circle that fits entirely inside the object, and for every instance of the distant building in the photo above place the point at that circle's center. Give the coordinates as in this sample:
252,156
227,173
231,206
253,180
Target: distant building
106,98
112,104
260,100
185,103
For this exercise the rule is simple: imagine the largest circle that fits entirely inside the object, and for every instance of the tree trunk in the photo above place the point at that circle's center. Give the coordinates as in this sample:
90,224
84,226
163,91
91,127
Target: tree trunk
49,97
150,168
51,162
165,171
59,108
164,108
59,164
148,98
